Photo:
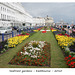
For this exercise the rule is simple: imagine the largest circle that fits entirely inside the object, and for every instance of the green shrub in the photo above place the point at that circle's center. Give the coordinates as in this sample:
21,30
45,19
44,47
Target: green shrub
6,46
67,52
66,48
1,51
63,32
72,54
23,33
4,50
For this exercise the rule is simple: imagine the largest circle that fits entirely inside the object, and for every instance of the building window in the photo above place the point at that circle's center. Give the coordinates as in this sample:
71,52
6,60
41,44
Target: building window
5,16
5,9
1,8
1,16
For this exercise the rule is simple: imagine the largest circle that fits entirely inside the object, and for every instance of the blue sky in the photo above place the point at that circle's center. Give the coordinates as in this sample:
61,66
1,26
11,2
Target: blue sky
58,11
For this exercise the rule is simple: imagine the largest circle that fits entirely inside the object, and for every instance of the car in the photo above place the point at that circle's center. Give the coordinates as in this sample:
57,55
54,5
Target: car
20,28
15,27
5,30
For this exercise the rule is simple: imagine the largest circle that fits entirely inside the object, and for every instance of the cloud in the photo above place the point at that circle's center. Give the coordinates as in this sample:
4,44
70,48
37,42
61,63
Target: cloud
66,11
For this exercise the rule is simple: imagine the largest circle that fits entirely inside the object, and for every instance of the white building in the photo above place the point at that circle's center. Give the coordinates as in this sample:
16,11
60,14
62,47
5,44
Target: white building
14,14
38,21
49,21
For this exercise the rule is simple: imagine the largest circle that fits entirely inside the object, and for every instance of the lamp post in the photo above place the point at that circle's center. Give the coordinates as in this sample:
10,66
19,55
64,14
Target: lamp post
30,26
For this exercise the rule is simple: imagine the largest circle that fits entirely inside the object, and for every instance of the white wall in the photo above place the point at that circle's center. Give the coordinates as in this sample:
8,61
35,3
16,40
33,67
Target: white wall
14,12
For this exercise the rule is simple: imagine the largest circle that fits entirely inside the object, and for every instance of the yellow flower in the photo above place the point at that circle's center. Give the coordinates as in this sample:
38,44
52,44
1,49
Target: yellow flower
35,30
14,41
64,41
54,30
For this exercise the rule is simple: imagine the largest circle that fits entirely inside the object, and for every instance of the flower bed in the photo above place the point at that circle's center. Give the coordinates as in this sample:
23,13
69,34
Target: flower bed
54,30
27,34
34,53
64,35
35,30
64,41
44,31
14,41
67,44
70,61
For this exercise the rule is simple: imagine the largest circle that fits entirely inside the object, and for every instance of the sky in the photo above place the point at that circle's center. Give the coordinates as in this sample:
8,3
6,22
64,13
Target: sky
64,11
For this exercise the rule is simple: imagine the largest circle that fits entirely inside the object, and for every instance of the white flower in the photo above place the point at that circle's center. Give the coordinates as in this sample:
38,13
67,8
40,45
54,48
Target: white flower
21,52
34,56
26,53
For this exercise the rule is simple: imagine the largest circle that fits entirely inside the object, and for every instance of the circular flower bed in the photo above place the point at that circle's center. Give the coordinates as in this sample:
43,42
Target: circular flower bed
34,53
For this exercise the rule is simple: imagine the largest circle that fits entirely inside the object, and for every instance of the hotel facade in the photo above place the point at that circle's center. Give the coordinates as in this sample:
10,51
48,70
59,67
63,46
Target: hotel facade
14,14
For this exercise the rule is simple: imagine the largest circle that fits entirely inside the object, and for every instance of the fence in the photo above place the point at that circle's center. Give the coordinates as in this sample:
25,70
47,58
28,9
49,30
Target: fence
5,36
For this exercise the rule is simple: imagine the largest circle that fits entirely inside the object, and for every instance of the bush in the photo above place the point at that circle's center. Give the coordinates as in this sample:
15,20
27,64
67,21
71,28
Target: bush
63,32
1,51
67,52
6,46
66,48
72,54
4,50
3,45
23,33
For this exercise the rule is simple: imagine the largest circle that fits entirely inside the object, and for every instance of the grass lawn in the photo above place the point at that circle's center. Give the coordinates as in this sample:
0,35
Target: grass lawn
57,58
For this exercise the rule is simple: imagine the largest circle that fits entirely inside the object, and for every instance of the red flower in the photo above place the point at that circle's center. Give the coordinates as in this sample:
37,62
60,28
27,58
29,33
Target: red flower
70,56
24,58
43,31
40,64
72,66
73,57
68,60
42,60
27,34
38,59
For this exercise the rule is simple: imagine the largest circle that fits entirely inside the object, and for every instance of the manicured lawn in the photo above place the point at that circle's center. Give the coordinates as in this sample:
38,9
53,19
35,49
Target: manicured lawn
57,58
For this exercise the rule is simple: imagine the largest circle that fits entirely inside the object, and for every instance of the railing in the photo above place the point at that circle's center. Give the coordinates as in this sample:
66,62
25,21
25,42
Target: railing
5,36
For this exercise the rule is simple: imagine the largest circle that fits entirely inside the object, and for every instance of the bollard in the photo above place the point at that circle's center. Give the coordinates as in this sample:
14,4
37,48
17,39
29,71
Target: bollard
24,30
12,34
2,36
27,29
19,31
